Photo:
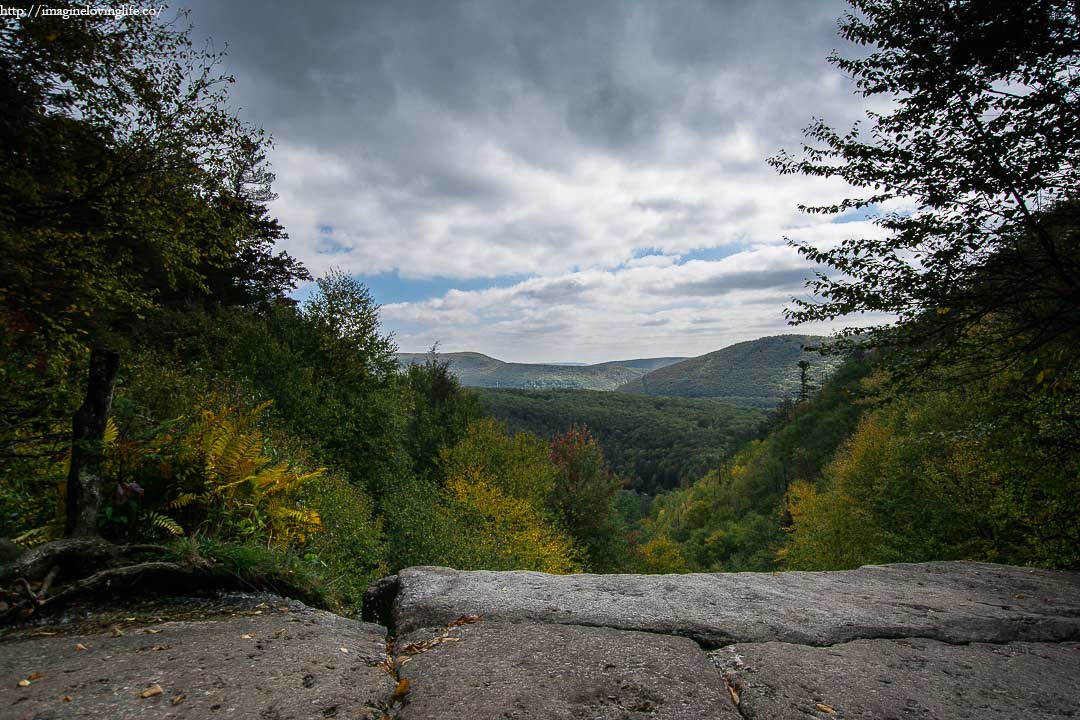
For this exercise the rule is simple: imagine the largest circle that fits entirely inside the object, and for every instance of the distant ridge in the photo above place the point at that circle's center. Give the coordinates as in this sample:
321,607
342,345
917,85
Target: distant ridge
757,373
478,370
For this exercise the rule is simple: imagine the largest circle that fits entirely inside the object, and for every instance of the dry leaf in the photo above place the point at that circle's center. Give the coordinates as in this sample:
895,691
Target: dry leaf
467,620
262,606
151,691
826,708
130,619
246,636
160,647
344,650
80,647
34,676
68,698
179,699
401,690
24,683
115,631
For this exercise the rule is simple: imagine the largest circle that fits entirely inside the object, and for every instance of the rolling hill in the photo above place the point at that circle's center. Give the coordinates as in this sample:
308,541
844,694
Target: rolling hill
477,370
757,373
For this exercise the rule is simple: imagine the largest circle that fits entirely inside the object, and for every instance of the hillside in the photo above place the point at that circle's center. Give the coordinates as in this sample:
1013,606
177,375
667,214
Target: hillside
657,443
478,370
758,373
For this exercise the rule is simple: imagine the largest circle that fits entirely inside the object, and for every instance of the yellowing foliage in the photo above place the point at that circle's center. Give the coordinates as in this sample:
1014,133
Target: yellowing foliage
502,530
662,555
221,468
494,506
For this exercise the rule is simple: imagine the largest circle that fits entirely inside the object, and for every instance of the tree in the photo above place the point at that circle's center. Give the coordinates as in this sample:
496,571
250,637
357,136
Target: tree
982,139
439,412
118,176
584,495
122,189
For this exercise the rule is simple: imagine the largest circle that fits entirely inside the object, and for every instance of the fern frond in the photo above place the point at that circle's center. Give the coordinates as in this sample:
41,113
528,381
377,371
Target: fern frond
183,500
163,522
112,432
39,535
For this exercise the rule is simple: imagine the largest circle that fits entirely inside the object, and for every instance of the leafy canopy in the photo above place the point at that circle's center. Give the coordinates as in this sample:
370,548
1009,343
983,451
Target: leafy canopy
980,147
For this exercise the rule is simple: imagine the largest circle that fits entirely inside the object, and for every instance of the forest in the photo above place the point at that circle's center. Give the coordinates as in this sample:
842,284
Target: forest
166,404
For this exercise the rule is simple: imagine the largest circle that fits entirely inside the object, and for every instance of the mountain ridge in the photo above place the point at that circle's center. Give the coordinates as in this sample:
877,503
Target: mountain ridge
758,373
475,369
754,373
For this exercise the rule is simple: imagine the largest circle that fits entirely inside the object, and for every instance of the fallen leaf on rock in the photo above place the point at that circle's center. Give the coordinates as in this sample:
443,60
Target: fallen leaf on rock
151,691
80,647
179,699
826,708
160,647
467,620
115,631
262,606
401,690
24,683
344,650
68,698
246,636
34,676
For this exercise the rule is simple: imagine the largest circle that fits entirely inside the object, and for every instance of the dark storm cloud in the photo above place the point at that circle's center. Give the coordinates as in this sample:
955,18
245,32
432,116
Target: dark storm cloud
338,75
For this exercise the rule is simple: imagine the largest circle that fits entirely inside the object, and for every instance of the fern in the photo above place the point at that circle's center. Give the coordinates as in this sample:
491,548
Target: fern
39,535
183,500
163,522
112,433
237,486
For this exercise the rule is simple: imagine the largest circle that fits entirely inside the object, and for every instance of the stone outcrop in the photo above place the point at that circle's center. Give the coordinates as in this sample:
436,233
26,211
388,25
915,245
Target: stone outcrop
934,640
260,658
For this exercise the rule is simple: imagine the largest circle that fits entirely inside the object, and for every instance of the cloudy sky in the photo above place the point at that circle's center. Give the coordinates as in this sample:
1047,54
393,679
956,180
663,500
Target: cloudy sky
547,181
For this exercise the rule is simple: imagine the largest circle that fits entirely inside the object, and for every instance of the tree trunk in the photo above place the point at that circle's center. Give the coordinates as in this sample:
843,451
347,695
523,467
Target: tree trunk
88,428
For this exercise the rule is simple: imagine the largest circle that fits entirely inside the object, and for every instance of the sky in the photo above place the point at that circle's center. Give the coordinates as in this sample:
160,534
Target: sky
547,181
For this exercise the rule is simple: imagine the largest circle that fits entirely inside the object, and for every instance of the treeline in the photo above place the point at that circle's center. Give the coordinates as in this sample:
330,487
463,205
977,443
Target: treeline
655,443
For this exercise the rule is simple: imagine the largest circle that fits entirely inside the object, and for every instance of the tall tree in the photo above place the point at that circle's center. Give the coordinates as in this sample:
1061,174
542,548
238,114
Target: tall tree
119,177
980,149
119,159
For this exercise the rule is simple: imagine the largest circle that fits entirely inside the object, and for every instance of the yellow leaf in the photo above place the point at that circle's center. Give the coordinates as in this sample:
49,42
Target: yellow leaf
151,691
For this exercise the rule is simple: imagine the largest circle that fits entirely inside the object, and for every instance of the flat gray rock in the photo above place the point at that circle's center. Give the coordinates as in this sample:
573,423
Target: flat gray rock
533,671
948,601
903,679
272,665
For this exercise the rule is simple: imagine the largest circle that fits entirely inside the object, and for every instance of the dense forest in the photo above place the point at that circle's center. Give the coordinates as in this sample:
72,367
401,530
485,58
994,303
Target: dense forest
165,404
654,443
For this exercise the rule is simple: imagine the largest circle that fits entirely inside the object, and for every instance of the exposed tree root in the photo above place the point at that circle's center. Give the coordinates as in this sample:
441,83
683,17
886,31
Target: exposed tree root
91,565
